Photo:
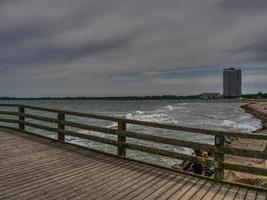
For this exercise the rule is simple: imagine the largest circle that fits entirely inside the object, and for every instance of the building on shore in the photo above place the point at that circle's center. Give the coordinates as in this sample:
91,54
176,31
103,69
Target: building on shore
231,82
210,95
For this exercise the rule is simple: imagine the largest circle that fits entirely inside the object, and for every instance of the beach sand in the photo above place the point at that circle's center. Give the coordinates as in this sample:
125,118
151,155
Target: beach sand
259,110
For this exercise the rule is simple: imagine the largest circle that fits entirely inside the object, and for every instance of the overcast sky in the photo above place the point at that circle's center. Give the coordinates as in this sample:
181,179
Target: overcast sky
130,47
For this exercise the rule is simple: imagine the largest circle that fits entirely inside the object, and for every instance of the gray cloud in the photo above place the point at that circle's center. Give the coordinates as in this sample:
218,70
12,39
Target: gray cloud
123,47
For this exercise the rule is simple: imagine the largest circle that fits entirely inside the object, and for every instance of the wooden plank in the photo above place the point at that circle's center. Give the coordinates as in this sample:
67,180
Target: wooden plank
187,191
40,118
135,194
212,191
38,126
183,189
123,190
14,121
59,171
121,139
245,169
203,190
9,105
232,192
9,113
244,152
155,187
100,178
251,195
96,192
15,162
21,118
219,158
90,189
30,187
32,174
187,180
15,192
57,162
165,187
34,189
139,183
61,135
261,196
31,156
241,194
221,192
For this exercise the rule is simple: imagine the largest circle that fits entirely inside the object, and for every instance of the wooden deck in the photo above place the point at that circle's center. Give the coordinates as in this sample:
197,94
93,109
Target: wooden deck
38,168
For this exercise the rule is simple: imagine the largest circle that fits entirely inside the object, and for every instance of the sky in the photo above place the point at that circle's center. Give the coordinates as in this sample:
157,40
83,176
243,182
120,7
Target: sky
130,47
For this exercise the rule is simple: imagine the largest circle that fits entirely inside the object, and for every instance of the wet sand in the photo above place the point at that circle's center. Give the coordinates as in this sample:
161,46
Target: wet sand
259,110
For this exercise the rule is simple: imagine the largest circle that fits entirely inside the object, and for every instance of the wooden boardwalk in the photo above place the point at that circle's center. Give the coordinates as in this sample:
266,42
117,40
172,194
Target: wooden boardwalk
37,168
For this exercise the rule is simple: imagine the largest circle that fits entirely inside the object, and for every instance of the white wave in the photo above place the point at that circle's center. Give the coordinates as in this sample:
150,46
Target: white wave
236,125
129,116
185,150
112,125
170,107
92,133
155,116
244,117
173,107
226,124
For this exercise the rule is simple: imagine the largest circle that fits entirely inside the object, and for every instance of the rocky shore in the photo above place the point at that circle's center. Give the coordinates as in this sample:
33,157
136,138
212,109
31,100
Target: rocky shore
259,110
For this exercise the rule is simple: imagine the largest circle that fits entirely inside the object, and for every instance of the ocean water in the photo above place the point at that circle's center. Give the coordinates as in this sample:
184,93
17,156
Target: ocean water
216,116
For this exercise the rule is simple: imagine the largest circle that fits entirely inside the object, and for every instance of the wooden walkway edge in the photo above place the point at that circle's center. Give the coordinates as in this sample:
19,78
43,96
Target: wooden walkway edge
32,167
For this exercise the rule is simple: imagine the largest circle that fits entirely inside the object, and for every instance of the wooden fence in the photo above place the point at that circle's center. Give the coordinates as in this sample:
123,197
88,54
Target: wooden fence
218,149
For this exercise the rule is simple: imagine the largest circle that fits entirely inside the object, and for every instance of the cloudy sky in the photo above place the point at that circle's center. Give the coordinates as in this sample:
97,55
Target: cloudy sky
130,47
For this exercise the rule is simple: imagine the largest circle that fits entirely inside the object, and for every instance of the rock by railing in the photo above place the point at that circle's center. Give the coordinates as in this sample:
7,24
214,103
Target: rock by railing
219,149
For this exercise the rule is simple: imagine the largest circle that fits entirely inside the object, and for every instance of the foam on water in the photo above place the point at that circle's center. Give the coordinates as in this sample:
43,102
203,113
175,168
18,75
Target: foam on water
112,125
186,115
170,107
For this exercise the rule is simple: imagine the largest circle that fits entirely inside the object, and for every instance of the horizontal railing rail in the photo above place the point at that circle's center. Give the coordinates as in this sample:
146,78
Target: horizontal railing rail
218,149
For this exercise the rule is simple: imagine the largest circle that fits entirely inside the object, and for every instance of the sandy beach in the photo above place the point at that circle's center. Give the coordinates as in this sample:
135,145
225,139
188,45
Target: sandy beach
259,110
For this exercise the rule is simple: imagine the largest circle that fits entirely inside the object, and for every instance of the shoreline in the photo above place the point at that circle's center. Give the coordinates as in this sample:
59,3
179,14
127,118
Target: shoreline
258,110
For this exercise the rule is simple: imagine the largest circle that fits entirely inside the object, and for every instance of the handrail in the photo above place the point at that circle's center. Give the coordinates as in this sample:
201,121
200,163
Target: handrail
145,123
219,149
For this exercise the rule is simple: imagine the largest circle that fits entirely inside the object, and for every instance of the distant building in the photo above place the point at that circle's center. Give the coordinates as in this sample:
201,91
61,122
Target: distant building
210,95
231,82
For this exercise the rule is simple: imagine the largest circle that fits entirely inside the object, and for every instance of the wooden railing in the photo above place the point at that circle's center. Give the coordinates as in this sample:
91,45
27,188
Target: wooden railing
218,149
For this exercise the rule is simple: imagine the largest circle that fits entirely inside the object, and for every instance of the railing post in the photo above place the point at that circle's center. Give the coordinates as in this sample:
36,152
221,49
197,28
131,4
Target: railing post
121,138
61,117
219,158
21,118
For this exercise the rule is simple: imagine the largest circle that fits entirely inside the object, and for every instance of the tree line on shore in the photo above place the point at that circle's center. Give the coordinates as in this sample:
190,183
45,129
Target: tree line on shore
259,95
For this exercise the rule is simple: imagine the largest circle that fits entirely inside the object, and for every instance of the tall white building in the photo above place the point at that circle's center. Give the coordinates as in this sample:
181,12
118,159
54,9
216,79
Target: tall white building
231,82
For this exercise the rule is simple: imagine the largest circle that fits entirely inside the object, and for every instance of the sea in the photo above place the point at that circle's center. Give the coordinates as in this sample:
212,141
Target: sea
215,116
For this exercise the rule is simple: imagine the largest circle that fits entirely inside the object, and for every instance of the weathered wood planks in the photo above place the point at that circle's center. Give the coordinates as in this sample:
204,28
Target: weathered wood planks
38,168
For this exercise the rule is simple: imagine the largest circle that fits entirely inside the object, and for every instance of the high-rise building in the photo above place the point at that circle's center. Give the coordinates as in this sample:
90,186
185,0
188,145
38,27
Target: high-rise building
231,82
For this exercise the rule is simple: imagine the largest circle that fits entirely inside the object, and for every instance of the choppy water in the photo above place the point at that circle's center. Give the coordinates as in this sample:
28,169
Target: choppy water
217,116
